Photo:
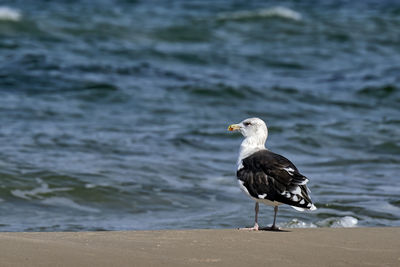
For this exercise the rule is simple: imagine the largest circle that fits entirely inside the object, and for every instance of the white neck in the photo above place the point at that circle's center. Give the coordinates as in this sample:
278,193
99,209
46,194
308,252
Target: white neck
249,146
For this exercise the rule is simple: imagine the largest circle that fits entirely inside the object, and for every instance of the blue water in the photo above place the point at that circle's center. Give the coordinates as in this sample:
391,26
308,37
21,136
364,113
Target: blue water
114,113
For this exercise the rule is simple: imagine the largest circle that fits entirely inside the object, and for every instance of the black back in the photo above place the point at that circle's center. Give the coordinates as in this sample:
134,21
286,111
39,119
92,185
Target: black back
265,172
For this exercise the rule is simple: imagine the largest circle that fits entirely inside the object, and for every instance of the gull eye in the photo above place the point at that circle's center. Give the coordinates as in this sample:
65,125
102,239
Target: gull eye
246,123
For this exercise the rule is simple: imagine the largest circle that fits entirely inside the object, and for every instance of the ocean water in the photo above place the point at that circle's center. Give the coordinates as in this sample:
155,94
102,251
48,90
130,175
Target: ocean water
113,114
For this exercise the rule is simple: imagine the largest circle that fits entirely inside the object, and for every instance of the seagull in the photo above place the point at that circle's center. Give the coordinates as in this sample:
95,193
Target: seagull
267,177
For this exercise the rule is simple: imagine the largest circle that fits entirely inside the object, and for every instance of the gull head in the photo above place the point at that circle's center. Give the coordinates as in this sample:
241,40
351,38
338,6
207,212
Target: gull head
251,128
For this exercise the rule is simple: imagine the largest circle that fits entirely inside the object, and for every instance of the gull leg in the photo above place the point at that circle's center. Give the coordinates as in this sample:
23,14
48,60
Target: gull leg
255,227
274,227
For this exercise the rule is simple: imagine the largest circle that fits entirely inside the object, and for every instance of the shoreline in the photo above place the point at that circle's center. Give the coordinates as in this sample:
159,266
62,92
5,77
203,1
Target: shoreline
216,247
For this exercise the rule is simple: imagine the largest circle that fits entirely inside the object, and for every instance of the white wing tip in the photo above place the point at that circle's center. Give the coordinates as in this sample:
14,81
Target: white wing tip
305,182
312,207
297,208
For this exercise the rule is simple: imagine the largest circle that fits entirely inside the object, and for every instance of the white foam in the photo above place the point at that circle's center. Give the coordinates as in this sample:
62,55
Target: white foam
7,13
90,185
346,221
36,192
295,223
280,12
343,222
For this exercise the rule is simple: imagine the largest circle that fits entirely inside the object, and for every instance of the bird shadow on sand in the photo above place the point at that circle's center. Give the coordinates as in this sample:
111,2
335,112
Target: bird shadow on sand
266,229
269,229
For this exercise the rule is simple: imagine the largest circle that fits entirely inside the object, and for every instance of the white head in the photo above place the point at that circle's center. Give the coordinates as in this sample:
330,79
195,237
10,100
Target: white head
255,132
252,128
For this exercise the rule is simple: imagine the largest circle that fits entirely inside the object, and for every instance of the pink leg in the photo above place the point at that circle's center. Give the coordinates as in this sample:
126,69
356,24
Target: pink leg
255,227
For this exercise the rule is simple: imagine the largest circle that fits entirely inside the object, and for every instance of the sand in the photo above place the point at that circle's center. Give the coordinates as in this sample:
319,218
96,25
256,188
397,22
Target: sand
298,247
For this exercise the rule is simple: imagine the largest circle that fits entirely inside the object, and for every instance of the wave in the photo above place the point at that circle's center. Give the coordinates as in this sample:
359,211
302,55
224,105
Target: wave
7,13
68,203
333,222
44,193
278,12
222,90
36,193
295,223
346,222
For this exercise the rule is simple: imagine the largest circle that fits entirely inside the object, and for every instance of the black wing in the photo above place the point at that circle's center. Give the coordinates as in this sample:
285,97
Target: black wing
267,175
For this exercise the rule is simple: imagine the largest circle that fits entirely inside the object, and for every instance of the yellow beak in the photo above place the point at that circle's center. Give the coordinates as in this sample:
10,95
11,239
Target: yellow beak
233,127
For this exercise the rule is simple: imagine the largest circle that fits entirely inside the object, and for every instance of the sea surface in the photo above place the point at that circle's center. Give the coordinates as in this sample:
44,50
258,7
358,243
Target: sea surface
113,113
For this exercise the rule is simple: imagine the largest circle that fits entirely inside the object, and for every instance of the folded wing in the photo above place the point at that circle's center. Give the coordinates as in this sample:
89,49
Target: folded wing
270,176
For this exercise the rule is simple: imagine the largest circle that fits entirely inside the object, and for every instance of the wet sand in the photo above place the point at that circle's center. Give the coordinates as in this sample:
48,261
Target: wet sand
297,247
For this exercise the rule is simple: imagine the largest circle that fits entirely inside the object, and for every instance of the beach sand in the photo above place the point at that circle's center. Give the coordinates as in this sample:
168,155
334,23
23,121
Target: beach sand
297,247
